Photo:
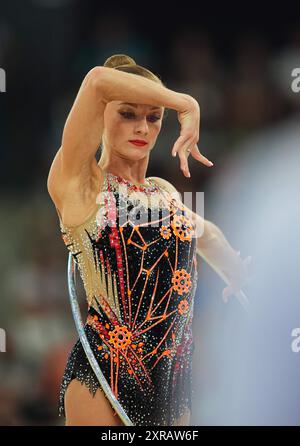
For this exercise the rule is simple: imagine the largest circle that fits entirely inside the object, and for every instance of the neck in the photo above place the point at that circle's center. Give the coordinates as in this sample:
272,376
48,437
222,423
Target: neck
133,171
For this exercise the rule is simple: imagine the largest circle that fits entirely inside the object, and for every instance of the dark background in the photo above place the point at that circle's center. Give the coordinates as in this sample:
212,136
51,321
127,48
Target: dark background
236,63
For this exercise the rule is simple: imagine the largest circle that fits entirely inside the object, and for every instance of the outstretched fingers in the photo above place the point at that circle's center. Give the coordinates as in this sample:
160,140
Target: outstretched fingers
198,156
184,149
183,157
182,141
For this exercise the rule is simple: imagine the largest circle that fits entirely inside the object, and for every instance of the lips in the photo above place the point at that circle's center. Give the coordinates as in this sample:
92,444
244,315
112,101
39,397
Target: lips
138,142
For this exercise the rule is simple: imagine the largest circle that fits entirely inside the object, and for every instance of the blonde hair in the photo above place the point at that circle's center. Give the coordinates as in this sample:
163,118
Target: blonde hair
122,62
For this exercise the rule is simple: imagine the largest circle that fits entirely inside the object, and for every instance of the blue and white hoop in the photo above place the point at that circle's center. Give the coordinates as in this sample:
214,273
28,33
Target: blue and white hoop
86,346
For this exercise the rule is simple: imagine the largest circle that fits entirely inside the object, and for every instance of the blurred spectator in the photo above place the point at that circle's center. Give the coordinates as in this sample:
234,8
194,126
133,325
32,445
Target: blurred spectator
241,79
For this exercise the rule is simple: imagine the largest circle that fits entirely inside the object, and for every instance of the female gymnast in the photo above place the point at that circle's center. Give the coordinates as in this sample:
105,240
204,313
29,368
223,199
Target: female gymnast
135,245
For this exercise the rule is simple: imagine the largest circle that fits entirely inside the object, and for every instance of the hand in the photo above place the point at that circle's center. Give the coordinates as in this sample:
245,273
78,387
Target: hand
238,278
189,120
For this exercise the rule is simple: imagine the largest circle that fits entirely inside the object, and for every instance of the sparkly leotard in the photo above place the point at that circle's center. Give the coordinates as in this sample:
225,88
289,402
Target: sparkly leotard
136,255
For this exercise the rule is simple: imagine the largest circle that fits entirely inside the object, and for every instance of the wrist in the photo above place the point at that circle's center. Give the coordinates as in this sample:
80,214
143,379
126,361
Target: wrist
184,102
187,102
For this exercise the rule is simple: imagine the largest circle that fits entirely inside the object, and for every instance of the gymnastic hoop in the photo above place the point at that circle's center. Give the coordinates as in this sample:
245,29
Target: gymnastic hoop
86,346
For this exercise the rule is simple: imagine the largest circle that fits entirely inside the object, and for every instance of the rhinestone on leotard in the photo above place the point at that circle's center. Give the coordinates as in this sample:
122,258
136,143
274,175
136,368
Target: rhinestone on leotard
140,281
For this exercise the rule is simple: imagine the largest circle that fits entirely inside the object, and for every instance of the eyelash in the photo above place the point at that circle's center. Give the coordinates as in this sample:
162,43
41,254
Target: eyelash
125,114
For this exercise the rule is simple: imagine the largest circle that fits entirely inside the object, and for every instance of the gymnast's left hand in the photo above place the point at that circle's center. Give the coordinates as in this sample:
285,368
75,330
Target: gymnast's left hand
237,277
186,144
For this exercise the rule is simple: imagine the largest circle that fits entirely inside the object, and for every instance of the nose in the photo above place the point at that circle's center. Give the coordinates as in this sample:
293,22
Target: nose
142,126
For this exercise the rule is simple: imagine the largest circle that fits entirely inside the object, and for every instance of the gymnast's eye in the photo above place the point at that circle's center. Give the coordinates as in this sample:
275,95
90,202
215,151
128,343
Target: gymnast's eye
131,115
154,118
127,115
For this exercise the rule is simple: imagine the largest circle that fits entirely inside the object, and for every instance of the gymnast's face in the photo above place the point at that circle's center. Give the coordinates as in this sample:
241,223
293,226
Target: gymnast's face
124,122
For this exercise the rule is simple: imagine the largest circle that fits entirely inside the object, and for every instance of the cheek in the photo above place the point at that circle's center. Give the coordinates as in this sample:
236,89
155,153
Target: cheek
116,128
124,131
156,129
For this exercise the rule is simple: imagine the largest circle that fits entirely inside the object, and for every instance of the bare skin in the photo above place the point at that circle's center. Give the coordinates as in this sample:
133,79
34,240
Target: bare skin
122,123
94,411
76,177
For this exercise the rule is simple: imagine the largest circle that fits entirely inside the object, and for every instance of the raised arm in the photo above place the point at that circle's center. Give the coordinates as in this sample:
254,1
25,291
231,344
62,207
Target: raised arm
83,129
84,126
116,85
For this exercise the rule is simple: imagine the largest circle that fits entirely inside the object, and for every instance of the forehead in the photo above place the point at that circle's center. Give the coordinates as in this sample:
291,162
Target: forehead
141,106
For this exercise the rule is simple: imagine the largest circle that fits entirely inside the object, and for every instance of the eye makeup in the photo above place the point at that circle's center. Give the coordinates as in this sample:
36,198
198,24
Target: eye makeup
132,115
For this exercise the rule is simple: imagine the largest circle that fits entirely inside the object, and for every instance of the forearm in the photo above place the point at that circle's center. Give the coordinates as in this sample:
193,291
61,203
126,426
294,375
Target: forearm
217,252
118,85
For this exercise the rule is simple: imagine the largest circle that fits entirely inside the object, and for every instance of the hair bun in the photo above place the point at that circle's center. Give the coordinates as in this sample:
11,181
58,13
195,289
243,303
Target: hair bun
118,60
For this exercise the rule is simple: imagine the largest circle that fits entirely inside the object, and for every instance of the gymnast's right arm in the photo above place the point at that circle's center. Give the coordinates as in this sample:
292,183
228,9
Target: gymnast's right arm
83,128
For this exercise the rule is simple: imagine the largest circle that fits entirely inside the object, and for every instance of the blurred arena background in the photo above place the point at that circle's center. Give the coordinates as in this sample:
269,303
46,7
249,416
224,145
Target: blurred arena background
238,66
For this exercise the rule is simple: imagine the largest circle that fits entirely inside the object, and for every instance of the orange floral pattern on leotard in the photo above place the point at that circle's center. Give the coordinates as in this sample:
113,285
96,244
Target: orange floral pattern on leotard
140,278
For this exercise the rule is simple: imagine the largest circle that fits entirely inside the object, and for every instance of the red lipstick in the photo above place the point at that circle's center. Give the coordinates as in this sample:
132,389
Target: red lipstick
138,142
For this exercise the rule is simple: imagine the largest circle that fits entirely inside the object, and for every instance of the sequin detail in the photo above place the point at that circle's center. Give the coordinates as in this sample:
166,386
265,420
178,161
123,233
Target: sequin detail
140,279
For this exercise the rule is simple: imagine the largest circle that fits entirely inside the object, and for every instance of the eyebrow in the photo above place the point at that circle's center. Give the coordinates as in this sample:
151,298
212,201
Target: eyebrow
135,105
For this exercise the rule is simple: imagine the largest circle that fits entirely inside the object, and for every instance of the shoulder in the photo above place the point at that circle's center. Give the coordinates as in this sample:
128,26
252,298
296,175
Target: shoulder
168,186
177,195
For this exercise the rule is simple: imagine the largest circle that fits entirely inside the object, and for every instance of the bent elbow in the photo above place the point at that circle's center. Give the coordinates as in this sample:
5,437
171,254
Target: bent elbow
95,77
